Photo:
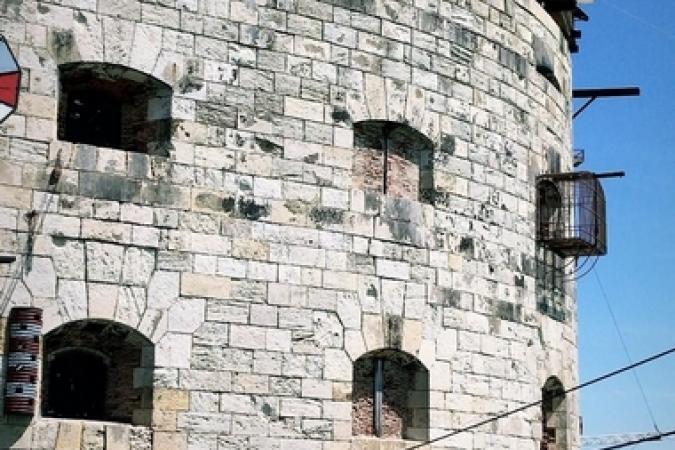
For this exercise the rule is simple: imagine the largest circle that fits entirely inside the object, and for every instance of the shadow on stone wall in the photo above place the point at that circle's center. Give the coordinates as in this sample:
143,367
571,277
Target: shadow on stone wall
12,431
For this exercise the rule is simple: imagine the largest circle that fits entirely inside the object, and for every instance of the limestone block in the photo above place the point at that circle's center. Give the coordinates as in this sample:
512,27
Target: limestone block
215,358
295,318
61,226
40,278
117,39
439,376
145,236
250,249
375,97
338,366
354,344
285,386
10,173
414,308
146,47
200,285
105,262
278,340
262,271
317,388
93,436
73,299
173,350
340,35
247,337
70,436
251,383
264,315
227,311
446,344
303,109
373,332
44,434
170,399
266,188
205,380
267,363
186,315
153,324
412,336
204,401
205,264
340,280
249,426
205,422
337,410
393,294
130,212
138,266
166,440
131,303
300,407
20,296
163,289
396,97
306,256
164,420
393,269
209,243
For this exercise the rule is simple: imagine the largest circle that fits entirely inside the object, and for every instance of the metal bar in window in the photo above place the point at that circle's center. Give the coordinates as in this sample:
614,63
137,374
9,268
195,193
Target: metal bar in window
379,388
385,148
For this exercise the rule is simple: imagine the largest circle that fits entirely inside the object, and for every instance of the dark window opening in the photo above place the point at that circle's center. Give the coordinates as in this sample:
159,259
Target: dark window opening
554,416
390,396
550,284
77,383
93,118
97,370
543,57
547,72
113,106
393,159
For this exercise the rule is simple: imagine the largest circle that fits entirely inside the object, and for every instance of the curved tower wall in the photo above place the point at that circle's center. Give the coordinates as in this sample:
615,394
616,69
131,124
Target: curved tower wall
245,248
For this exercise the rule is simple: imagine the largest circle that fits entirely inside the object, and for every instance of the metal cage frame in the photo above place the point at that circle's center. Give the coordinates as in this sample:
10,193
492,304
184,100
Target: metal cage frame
571,214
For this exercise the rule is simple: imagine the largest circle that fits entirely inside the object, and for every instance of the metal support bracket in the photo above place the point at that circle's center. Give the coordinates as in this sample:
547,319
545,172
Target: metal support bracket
593,94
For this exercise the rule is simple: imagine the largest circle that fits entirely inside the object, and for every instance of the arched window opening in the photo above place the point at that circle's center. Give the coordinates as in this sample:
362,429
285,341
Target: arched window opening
97,370
554,416
390,396
113,106
393,159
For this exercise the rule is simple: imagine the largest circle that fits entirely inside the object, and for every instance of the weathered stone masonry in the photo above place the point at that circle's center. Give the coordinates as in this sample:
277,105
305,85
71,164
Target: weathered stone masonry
242,237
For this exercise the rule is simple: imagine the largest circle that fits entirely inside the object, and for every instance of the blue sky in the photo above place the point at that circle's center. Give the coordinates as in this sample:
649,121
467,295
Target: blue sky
630,42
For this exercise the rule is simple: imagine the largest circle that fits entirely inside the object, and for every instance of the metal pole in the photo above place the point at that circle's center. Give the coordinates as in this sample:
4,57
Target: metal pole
610,174
385,149
379,388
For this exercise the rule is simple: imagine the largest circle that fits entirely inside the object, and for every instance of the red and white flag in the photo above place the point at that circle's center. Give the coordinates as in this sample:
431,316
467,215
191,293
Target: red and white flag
10,80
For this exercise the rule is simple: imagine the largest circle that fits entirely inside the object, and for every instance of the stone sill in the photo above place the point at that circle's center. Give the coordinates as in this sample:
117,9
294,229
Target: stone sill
371,443
88,423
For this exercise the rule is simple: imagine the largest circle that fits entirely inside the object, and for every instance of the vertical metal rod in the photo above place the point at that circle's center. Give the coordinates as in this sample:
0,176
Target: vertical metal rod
379,388
385,149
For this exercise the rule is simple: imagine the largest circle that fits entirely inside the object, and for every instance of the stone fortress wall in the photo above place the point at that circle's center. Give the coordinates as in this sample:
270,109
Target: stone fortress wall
245,242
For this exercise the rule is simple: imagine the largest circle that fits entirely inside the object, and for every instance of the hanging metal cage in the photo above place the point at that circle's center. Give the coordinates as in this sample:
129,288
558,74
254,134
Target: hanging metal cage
571,214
